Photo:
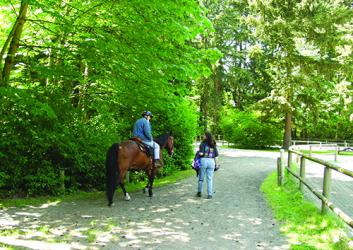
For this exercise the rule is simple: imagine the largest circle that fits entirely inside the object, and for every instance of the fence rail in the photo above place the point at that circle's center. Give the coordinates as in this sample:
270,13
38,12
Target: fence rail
341,143
327,179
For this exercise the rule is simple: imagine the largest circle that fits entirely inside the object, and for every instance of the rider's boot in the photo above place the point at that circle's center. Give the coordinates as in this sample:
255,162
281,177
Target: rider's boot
157,163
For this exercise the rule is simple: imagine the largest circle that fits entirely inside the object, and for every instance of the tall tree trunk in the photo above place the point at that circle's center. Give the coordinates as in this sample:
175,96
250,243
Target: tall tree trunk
289,114
287,130
15,34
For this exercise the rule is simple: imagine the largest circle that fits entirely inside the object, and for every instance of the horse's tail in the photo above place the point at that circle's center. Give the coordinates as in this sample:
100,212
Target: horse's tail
112,173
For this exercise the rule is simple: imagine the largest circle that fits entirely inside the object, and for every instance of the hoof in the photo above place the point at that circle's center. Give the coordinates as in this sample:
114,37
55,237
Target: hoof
111,204
127,197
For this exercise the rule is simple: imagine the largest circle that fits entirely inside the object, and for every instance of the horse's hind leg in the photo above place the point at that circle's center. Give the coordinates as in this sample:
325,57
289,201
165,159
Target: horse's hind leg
126,195
121,183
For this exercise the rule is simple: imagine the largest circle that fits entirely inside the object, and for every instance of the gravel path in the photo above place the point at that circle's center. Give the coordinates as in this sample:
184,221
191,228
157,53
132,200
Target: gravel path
236,218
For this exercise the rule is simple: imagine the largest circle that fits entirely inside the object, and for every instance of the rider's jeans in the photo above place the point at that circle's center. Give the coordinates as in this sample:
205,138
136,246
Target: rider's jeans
155,146
206,168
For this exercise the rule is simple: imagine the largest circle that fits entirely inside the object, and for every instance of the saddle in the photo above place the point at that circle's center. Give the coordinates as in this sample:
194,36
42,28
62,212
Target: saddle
143,147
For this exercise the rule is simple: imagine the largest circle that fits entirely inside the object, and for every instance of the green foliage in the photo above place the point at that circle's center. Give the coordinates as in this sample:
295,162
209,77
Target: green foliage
278,55
36,144
247,130
301,221
83,73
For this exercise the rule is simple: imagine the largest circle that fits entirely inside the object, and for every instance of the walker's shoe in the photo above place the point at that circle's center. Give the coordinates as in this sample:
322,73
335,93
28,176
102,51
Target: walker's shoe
198,194
209,196
157,163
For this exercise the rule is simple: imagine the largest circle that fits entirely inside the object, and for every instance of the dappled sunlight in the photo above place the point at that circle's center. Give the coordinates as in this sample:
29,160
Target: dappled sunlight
233,236
34,244
173,217
46,205
28,214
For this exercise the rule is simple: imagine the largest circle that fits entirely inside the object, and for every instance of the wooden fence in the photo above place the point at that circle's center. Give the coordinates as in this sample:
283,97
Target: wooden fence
340,143
327,179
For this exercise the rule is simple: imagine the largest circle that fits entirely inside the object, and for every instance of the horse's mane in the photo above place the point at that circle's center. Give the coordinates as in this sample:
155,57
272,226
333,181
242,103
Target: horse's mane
162,140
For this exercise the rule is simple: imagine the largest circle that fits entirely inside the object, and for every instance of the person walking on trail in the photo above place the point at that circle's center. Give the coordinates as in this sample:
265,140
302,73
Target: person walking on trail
142,129
209,159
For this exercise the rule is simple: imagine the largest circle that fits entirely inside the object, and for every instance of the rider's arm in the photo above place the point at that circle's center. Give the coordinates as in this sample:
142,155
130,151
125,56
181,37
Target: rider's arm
147,130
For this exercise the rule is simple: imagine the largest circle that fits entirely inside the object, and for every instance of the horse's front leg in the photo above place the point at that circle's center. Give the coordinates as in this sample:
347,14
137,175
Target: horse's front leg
150,181
148,173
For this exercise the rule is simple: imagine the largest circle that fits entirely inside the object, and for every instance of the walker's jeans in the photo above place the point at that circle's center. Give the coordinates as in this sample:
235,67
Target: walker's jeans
206,168
155,146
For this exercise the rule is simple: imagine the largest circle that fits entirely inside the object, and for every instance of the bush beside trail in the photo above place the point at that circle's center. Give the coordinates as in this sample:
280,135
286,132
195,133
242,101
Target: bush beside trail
42,135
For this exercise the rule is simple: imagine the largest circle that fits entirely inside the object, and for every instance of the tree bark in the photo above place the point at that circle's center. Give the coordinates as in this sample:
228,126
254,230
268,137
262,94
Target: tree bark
287,130
14,36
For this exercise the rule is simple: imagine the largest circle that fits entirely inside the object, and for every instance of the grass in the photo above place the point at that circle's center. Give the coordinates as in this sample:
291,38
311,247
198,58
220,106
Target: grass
346,153
329,152
130,187
301,222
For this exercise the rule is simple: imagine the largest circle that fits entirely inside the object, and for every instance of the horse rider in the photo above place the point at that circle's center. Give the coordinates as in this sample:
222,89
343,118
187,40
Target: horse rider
142,129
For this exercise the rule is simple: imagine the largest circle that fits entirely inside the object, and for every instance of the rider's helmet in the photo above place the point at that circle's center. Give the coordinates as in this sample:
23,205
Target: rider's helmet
147,113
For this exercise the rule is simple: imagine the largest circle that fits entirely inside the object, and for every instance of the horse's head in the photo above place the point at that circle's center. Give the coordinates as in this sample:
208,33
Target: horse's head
170,144
166,141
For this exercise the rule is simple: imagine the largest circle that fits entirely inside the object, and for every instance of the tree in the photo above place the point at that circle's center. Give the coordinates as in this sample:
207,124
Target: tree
81,74
304,41
12,44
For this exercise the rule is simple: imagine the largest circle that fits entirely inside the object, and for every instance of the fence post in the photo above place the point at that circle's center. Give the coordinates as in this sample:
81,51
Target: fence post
297,159
310,150
336,153
302,172
289,159
279,172
327,188
282,157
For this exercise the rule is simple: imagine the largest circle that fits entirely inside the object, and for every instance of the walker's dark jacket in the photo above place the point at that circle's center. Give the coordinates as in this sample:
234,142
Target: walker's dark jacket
207,151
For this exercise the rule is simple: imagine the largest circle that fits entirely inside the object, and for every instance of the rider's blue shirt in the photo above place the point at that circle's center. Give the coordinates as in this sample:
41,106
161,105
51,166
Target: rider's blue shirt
142,129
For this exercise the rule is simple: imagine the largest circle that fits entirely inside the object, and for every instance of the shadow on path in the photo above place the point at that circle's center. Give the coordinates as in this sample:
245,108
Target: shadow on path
236,218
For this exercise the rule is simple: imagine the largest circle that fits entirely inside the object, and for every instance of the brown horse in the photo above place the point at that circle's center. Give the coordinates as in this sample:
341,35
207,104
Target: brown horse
127,155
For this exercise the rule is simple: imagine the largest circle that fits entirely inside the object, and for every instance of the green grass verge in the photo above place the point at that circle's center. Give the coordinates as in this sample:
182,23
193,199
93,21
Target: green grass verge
130,187
328,152
301,222
345,153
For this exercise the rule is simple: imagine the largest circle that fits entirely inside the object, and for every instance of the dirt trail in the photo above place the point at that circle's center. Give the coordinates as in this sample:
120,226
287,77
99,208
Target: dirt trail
236,218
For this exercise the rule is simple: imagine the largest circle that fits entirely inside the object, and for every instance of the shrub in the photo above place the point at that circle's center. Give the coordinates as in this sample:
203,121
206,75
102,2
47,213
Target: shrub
247,130
43,134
